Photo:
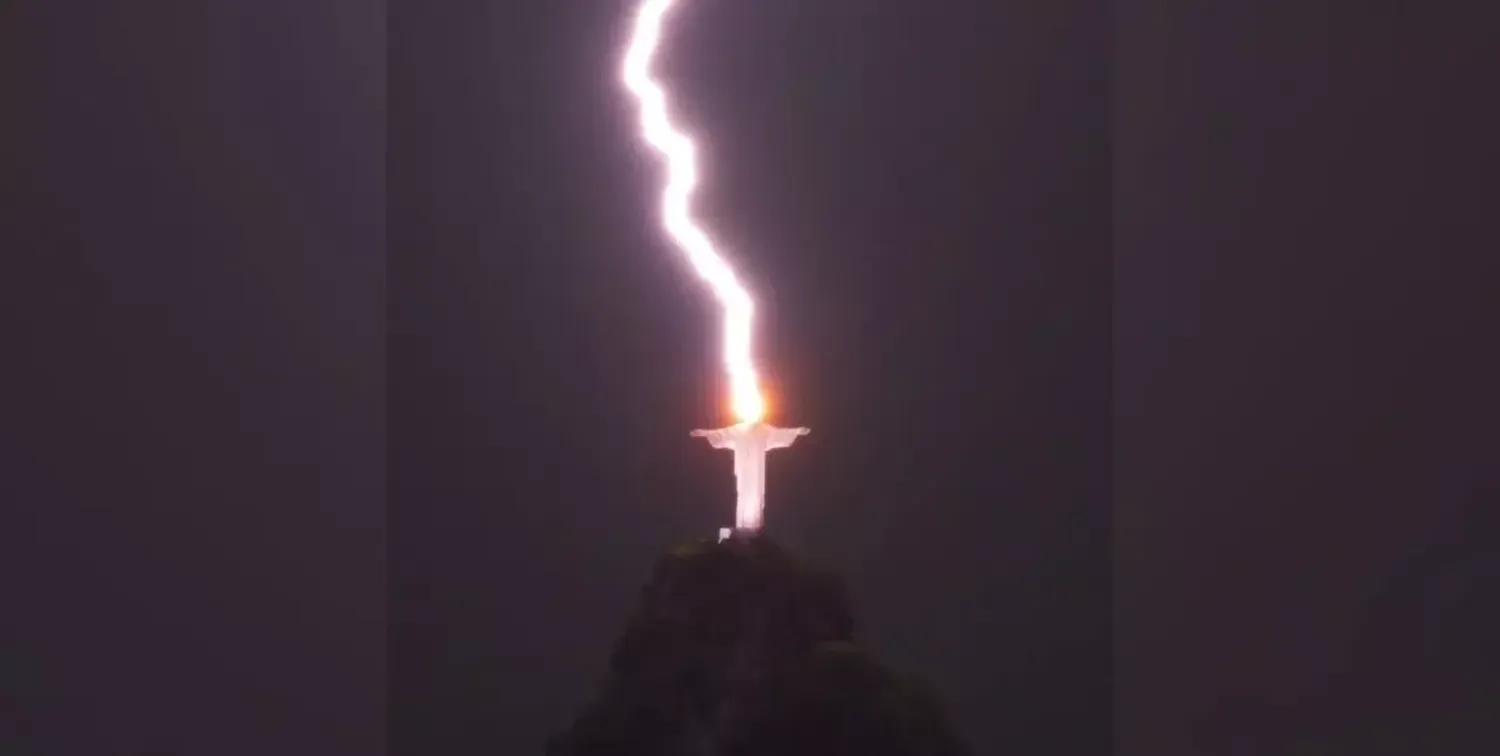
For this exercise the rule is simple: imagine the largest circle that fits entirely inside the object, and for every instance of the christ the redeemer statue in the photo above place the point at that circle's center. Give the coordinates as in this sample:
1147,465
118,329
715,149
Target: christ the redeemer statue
750,442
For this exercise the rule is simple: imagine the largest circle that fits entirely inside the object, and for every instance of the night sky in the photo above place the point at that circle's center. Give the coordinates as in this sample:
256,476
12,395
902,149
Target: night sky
1148,353
191,247
933,265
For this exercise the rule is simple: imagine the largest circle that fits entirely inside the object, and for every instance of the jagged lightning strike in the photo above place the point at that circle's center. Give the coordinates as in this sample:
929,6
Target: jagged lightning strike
750,438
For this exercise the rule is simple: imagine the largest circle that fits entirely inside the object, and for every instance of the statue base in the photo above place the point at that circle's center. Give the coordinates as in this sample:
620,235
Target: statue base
739,534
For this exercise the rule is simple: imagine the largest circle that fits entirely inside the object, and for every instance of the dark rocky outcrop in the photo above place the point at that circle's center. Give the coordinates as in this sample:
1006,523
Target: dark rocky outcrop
738,648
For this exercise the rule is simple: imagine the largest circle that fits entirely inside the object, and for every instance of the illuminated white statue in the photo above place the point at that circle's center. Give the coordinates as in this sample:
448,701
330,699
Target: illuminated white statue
750,442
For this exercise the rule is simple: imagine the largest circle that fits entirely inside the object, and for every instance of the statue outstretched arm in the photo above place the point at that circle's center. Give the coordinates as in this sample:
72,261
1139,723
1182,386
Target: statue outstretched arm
718,439
783,437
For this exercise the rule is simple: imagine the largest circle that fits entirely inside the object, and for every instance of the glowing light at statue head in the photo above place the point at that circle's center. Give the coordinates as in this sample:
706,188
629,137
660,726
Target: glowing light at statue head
745,399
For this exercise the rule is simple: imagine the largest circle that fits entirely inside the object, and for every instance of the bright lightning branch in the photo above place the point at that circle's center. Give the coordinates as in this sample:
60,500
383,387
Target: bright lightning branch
750,438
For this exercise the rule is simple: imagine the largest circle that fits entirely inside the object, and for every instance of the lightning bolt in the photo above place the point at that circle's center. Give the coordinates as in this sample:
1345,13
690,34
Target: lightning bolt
677,218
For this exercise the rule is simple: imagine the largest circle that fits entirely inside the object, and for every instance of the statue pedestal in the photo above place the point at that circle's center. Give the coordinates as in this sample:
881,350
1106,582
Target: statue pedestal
738,534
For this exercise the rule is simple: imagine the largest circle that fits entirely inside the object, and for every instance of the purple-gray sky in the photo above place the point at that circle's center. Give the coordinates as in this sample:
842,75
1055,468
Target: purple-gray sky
1160,330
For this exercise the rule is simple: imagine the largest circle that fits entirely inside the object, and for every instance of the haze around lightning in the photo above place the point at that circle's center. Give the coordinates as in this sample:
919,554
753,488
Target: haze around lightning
682,178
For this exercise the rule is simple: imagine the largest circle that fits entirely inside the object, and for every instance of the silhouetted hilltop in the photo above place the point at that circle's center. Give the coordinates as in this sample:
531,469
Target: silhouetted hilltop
1424,676
738,648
